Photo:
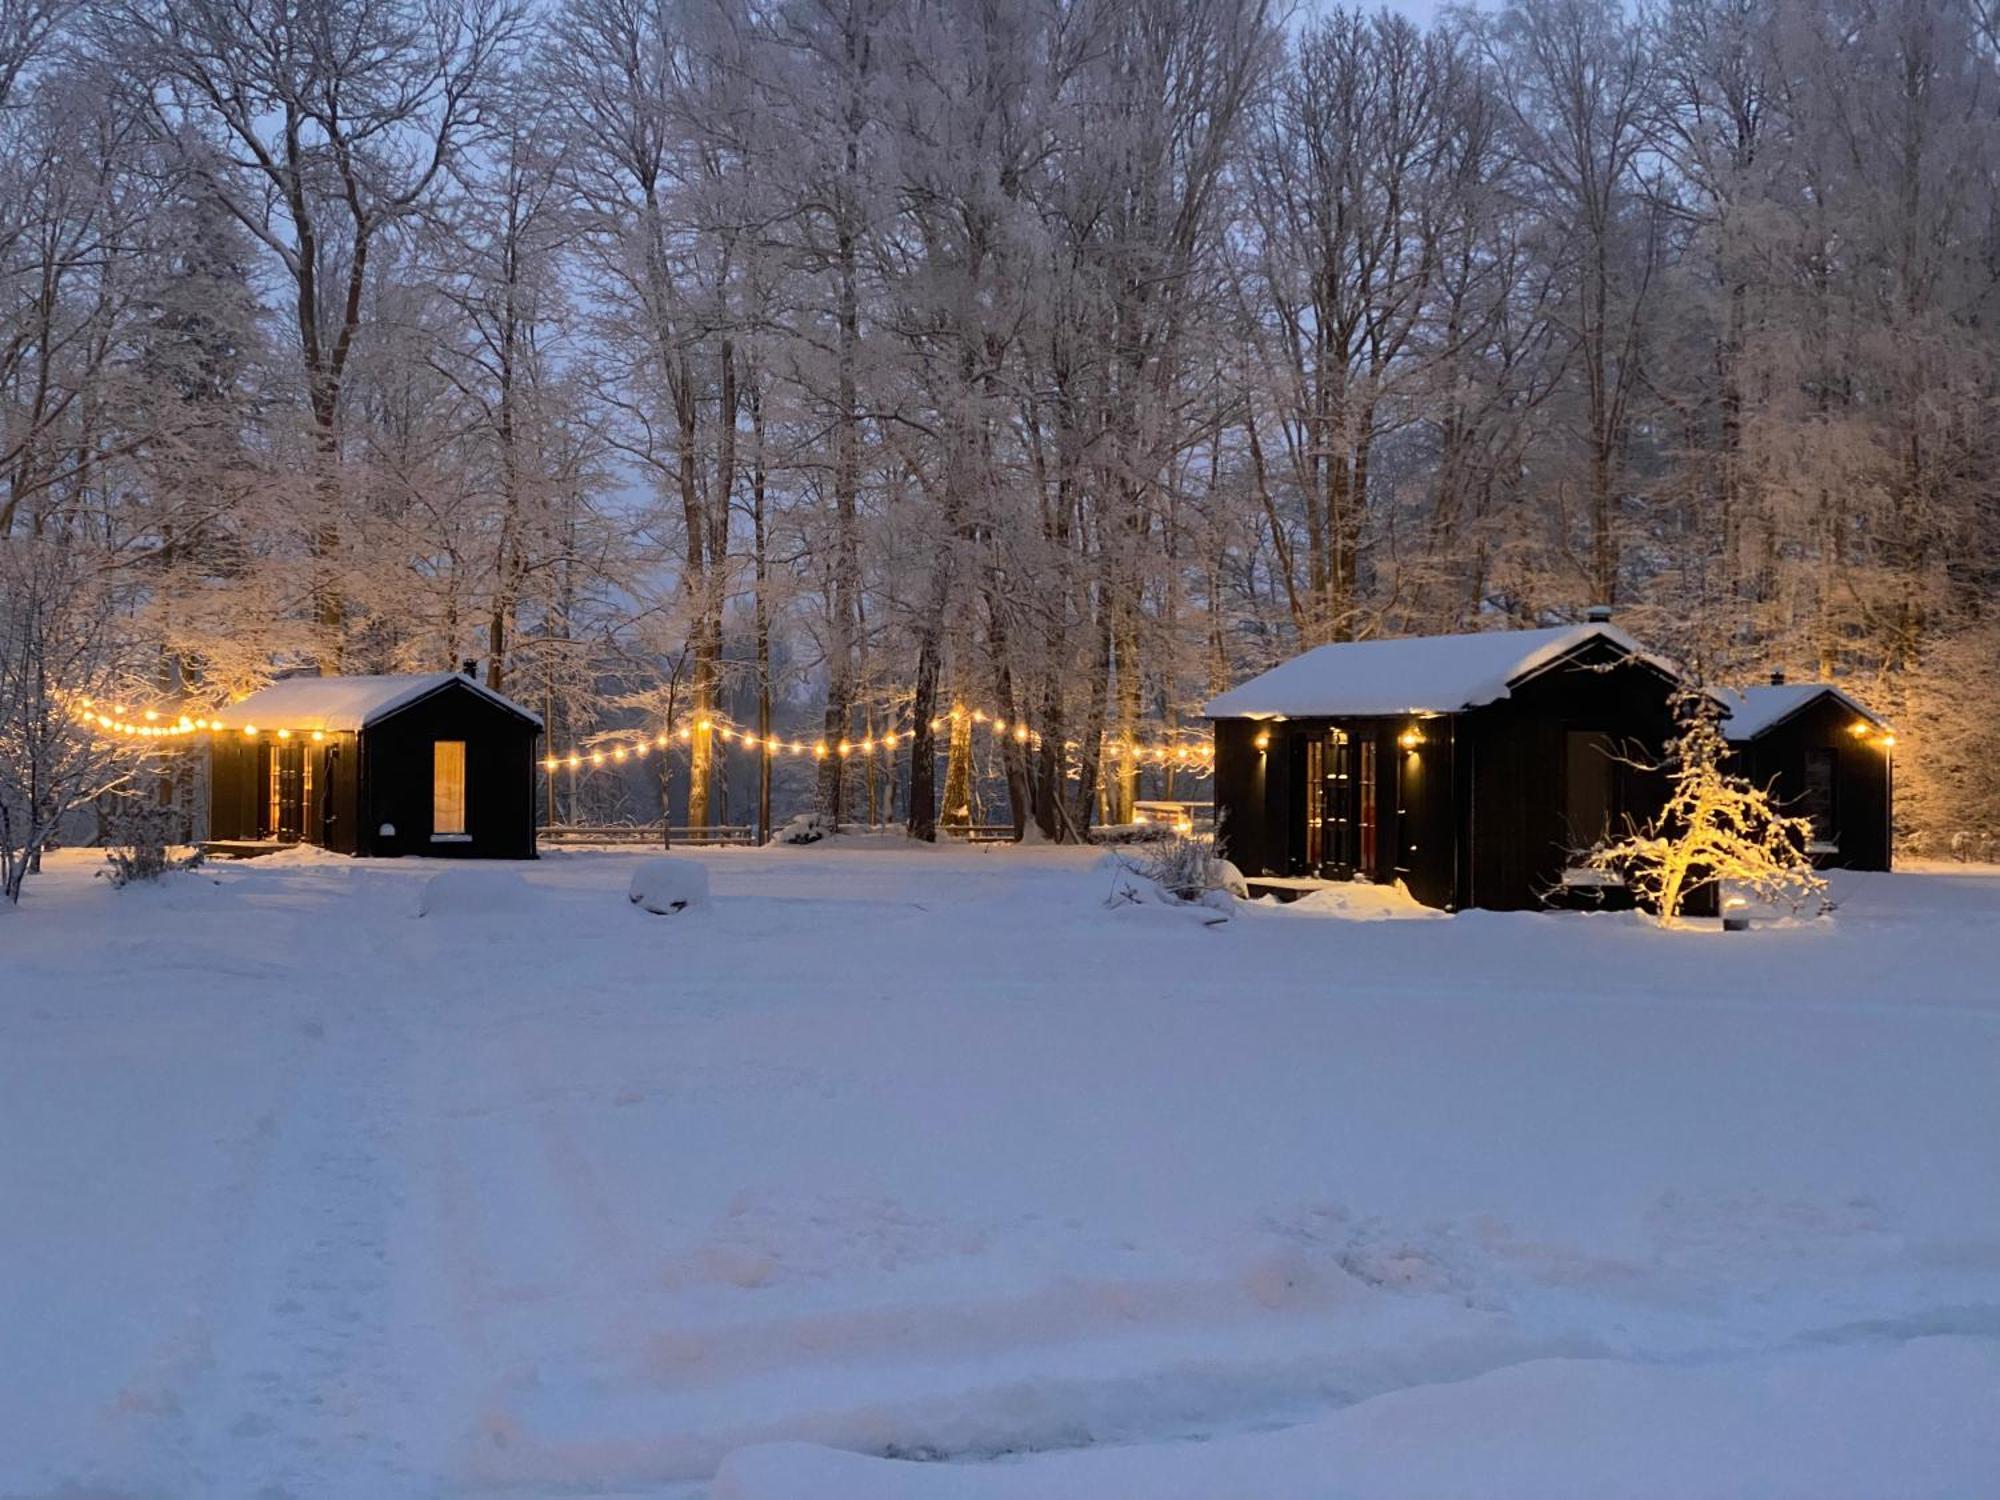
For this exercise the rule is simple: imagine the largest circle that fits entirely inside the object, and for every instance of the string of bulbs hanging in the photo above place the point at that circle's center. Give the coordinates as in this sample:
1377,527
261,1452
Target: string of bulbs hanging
1196,757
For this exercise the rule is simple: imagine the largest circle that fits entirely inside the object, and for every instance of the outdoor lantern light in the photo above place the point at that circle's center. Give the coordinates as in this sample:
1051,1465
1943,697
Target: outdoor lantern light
1263,741
1410,738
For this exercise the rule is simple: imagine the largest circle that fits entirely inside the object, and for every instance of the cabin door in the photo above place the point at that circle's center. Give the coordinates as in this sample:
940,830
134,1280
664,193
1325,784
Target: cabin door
1590,766
1367,818
288,791
1329,804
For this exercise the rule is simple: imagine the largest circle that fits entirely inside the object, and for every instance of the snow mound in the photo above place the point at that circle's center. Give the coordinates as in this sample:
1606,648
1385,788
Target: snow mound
1858,1421
663,884
475,893
806,828
1364,901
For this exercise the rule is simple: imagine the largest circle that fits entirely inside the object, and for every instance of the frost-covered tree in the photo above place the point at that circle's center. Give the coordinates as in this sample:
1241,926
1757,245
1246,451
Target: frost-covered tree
1717,829
57,649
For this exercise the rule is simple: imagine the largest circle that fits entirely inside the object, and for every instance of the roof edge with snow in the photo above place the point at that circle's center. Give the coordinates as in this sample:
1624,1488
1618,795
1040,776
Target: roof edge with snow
1418,674
1756,711
348,704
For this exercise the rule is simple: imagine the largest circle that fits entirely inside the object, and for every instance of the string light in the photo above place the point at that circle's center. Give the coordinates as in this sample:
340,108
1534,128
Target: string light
1196,758
153,724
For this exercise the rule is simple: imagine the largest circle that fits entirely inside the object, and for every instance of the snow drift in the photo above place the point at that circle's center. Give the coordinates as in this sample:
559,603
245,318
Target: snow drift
663,885
474,893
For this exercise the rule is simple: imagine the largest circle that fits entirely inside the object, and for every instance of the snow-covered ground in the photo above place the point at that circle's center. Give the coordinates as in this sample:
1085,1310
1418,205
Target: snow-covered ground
930,1155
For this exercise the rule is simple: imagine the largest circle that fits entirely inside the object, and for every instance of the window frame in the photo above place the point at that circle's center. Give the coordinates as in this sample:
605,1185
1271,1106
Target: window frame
449,823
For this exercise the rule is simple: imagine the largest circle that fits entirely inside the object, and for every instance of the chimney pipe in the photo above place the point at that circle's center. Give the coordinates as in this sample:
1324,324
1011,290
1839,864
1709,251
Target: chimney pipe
1778,677
1598,614
470,667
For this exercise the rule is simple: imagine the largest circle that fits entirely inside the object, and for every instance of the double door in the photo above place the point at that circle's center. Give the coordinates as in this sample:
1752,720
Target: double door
290,806
1342,805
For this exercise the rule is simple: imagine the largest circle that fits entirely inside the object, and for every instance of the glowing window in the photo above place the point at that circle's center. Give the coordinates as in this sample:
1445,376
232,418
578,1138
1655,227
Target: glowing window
448,786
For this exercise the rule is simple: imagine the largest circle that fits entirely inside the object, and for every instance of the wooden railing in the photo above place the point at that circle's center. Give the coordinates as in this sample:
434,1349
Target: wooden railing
652,834
978,833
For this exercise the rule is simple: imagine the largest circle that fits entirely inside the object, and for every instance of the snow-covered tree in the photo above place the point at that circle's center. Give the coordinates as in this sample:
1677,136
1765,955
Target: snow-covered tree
1717,829
56,650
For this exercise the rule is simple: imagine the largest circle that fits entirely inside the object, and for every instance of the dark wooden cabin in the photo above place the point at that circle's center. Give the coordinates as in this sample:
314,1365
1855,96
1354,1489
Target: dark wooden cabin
1824,755
1471,768
432,763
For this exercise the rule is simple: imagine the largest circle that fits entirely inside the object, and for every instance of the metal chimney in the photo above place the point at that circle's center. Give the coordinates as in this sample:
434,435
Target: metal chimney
1598,614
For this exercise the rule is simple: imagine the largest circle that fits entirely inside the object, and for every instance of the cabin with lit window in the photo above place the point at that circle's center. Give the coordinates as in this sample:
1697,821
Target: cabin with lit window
1473,769
429,763
1822,754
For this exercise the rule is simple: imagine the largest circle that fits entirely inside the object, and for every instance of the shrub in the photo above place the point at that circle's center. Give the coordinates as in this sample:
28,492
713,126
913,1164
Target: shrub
138,838
1185,867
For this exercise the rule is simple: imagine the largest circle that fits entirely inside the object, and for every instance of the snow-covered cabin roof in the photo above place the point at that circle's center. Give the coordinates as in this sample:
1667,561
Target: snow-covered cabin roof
345,704
1754,710
1414,674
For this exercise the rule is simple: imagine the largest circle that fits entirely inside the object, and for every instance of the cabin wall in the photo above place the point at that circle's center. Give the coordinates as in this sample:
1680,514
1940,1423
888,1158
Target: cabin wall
1245,828
337,790
236,791
1260,798
1425,798
1863,780
239,807
1515,781
395,766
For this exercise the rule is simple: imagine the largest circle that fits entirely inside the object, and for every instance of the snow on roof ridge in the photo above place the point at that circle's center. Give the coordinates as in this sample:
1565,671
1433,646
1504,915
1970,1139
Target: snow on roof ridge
1762,707
344,704
1415,674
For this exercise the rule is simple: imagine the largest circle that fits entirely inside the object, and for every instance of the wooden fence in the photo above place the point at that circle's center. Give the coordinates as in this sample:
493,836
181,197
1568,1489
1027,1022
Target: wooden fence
652,834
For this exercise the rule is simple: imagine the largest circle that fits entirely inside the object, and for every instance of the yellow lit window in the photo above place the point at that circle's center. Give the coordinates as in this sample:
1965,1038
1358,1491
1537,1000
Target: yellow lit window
448,786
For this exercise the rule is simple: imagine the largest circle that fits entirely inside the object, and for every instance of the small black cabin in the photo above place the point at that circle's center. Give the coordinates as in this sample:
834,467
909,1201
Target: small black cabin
1823,755
430,763
1468,767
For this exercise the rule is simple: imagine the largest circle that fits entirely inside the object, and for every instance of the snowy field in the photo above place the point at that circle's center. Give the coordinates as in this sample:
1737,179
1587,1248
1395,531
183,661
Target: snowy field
923,1175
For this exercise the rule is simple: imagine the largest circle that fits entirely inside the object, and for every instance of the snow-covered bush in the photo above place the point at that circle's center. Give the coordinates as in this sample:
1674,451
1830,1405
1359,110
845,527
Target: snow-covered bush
139,838
806,828
663,885
1186,868
1716,827
1132,833
1971,847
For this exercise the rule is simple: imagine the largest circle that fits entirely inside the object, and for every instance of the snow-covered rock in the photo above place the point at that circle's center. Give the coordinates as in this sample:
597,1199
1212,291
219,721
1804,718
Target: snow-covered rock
475,892
664,884
806,828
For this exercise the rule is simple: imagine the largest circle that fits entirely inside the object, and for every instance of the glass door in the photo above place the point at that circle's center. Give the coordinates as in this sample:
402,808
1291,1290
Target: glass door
286,783
1367,822
1329,803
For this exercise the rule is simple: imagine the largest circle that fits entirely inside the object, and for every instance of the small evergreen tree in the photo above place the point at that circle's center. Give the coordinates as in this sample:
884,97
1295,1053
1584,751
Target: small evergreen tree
1716,828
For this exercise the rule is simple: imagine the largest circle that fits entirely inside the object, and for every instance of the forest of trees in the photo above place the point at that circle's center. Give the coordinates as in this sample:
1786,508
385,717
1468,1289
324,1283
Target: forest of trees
816,366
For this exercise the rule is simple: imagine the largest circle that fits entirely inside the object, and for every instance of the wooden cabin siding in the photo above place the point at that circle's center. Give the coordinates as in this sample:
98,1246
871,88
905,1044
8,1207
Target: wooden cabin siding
1243,827
240,797
395,778
1863,781
235,793
1517,827
1425,781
